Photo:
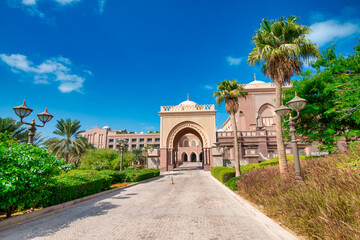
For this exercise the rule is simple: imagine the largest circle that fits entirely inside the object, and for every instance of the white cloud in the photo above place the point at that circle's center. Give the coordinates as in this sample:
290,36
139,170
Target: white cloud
208,87
64,2
233,61
29,2
51,70
101,6
327,31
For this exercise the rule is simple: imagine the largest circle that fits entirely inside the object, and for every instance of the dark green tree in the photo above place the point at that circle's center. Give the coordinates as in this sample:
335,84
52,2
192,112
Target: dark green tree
332,89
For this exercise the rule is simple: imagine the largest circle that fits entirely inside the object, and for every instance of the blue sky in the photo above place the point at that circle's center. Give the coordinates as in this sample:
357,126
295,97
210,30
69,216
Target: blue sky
115,62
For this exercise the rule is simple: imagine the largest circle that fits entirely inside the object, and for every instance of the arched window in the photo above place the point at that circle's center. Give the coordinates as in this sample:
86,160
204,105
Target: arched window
267,117
186,143
193,143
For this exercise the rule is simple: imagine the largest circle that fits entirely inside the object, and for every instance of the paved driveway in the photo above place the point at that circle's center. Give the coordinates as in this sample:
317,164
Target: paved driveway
194,207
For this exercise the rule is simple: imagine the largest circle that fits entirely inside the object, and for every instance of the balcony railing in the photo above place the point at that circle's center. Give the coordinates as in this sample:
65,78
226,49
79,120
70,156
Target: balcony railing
186,108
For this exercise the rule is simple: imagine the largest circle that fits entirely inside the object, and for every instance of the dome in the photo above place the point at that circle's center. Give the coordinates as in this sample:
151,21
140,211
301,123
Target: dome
188,102
256,82
106,127
220,130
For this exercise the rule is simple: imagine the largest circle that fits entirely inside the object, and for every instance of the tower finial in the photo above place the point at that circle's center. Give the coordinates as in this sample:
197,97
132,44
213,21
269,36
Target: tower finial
254,76
188,97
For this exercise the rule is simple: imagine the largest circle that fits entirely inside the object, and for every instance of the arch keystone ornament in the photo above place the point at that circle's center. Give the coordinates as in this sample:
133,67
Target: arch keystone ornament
186,118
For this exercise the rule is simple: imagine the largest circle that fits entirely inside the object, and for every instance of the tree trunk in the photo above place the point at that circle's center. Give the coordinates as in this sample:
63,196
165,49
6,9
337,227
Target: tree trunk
236,145
279,136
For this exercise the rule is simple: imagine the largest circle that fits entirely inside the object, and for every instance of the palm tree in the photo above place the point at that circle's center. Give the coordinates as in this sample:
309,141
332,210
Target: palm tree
281,46
230,91
70,146
12,126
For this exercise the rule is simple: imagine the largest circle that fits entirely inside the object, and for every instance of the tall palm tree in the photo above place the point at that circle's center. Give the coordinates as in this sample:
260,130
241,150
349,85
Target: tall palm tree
230,91
70,144
281,46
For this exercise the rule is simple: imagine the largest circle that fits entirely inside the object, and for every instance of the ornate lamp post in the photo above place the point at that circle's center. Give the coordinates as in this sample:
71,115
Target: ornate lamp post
296,104
23,111
122,144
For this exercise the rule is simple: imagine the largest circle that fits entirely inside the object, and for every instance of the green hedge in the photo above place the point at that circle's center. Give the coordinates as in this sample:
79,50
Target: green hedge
232,183
223,174
76,184
80,183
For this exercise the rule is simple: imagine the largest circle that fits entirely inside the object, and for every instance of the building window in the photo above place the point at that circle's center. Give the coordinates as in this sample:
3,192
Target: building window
141,145
186,144
157,145
157,139
149,140
141,140
111,140
268,121
133,146
133,140
111,146
193,143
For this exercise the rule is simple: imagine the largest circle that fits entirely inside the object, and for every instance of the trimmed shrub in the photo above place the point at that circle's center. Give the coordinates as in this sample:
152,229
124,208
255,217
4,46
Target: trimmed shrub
232,183
76,184
139,175
223,174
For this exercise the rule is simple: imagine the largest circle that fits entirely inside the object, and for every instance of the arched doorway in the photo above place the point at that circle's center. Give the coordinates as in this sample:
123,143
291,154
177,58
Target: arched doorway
193,157
185,157
201,157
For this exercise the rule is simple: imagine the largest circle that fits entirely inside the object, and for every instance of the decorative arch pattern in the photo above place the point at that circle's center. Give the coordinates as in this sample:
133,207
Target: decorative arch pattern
188,125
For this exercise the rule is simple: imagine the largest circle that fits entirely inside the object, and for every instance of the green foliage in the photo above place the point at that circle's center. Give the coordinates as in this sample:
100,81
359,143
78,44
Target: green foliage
128,158
100,159
76,184
324,206
13,127
280,47
223,174
232,183
25,172
70,145
332,90
80,183
229,91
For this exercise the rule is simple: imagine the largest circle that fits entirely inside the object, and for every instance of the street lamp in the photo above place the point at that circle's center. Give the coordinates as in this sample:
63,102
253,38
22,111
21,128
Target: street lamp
23,111
122,144
296,104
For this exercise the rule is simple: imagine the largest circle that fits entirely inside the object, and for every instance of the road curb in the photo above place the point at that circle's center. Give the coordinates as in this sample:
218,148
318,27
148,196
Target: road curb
8,223
269,225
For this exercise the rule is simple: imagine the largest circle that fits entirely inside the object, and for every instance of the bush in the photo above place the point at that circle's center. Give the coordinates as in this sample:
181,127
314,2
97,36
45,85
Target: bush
76,184
223,174
324,206
80,183
232,183
25,172
99,159
139,175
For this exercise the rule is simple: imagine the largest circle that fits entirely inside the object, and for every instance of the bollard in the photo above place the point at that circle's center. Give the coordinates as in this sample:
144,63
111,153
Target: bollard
171,180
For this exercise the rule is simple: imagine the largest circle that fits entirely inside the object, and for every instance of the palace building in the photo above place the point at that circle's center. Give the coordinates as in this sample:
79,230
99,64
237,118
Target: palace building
188,133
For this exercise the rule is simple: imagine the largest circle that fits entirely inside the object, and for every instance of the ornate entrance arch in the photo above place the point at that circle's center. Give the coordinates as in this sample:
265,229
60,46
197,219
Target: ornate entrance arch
186,118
